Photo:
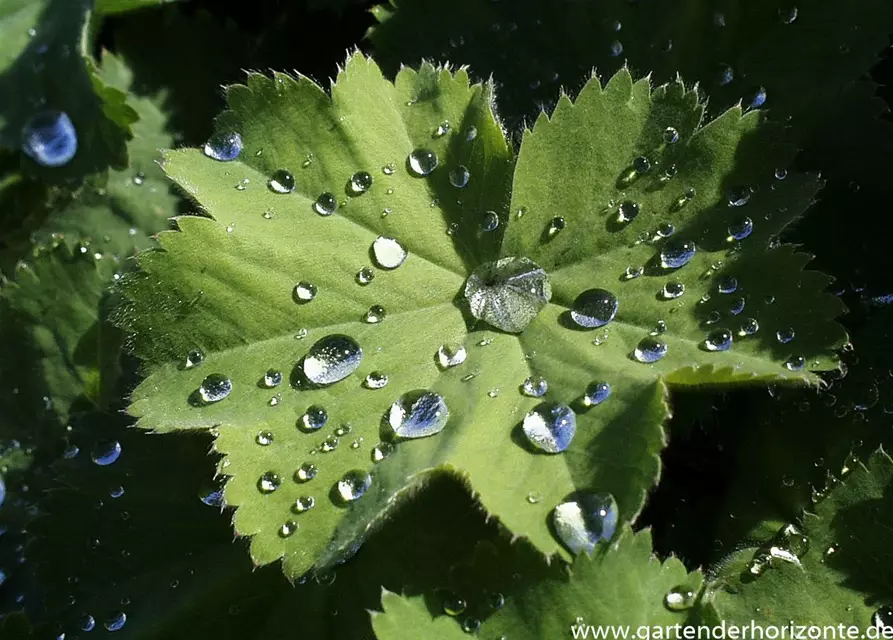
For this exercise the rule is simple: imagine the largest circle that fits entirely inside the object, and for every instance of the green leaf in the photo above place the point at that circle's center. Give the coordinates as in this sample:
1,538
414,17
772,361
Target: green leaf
224,286
621,584
843,577
109,7
51,69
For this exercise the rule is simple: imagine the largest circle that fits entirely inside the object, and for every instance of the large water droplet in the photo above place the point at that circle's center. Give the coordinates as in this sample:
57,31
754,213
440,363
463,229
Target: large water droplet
718,340
422,162
353,485
365,276
332,359
490,221
325,204
86,622
508,294
418,414
582,522
272,378
594,308
314,418
360,182
460,176
282,181
268,482
306,472
451,355
672,290
305,291
795,363
727,284
535,387
550,426
650,350
785,335
680,599
375,314
739,196
304,504
627,211
224,146
676,254
749,327
596,393
49,138
115,622
106,452
388,252
741,228
214,388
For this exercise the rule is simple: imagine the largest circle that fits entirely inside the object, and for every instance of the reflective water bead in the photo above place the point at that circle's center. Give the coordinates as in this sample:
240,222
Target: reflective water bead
671,135
490,221
493,393
659,327
459,176
269,482
422,162
781,174
737,306
106,452
282,181
594,308
585,520
741,228
627,211
665,230
288,529
550,427
264,438
86,622
360,182
418,414
680,599
381,451
305,291
376,380
193,359
883,618
718,340
224,146
556,225
535,386
314,418
451,355
471,133
672,290
642,164
727,284
795,363
712,318
442,129
787,14
725,75
365,276
325,204
508,294
749,327
676,254
757,98
785,335
375,314
272,378
632,272
306,472
115,621
650,350
353,485
739,196
453,605
471,625
388,252
615,49
214,388
332,359
49,138
596,393
304,504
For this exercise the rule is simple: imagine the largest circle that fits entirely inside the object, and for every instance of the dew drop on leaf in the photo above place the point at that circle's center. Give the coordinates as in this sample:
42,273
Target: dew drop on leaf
314,418
632,272
214,388
795,363
676,254
375,380
365,276
490,221
389,169
650,350
680,599
288,528
471,625
224,146
375,314
115,621
106,452
727,284
418,414
665,230
642,165
737,306
585,520
422,162
268,482
741,228
787,14
360,183
672,290
883,618
508,294
303,504
671,135
304,291
596,393
718,340
459,176
471,133
550,426
725,75
49,138
594,308
282,181
193,359
749,327
556,225
453,605
306,472
442,129
451,355
785,335
332,359
353,485
757,98
381,451
272,378
325,204
264,438
535,386
86,622
388,252
615,49
627,211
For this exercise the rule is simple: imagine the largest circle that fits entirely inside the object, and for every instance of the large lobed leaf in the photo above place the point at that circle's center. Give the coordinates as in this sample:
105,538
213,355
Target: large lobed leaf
223,285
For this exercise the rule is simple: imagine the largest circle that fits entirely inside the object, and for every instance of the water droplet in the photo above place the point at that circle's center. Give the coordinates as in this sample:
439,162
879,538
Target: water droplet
381,451
727,284
106,452
332,359
594,308
471,133
534,497
757,98
749,327
672,290
671,135
737,306
883,618
325,204
642,164
556,225
442,129
388,252
454,605
365,276
550,426
269,482
471,625
460,176
288,529
665,230
139,178
86,622
508,294
272,378
375,314
224,146
116,492
211,495
596,393
451,355
115,622
781,174
627,211
303,504
71,451
795,363
360,182
785,335
306,472
353,485
307,161
418,414
788,14
632,272
650,350
535,387
490,221
264,438
214,388
676,254
314,418
582,522
49,138
718,340
193,359
615,49
680,599
741,228
282,181
304,291
422,162
725,75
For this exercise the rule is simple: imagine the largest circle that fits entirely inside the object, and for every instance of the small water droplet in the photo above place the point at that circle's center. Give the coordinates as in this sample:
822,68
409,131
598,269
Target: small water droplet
718,340
535,386
556,225
418,414
757,98
650,350
307,161
264,438
471,133
304,504
471,625
214,388
671,135
86,622
288,528
596,393
389,169
138,178
749,327
725,75
627,211
49,138
282,181
672,290
388,252
326,204
632,272
534,497
451,355
442,129
785,335
585,520
375,314
224,146
550,426
332,359
272,378
306,472
680,599
665,230
375,380
269,482
795,363
360,183
727,284
741,228
459,176
615,49
787,14
365,276
106,452
422,162
382,450
454,605
353,485
642,165
676,254
314,418
594,308
304,291
193,359
508,294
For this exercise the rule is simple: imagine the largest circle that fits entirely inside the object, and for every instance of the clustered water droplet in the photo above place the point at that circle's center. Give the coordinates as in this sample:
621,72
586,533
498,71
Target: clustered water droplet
418,414
650,350
585,520
422,162
224,146
594,308
49,138
388,252
282,181
214,388
451,355
353,485
550,427
332,359
596,393
535,386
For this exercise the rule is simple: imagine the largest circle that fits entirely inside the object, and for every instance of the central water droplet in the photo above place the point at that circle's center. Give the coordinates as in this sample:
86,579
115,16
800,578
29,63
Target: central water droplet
550,426
508,294
718,340
672,290
490,221
269,482
418,414
741,228
422,162
360,182
451,355
650,350
332,359
314,418
365,276
596,393
375,314
353,485
49,138
680,599
305,291
306,472
535,387
785,335
460,176
627,211
325,204
883,618
376,380
594,308
676,254
272,378
106,453
215,388
282,181
388,252
585,520
739,196
224,146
